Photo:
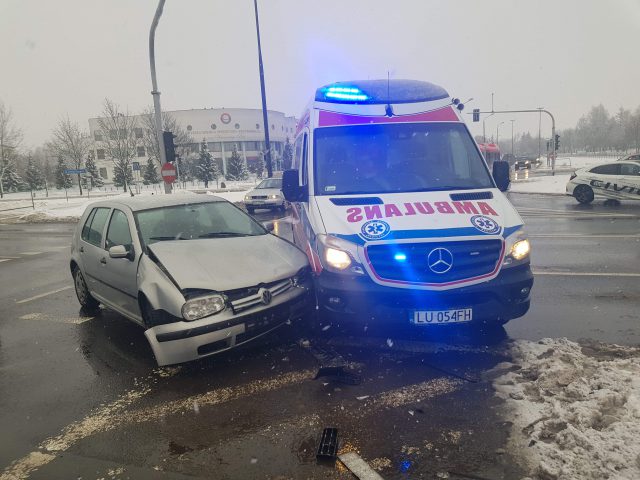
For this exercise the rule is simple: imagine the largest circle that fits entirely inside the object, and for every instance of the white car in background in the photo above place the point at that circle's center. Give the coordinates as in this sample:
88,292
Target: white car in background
267,194
619,180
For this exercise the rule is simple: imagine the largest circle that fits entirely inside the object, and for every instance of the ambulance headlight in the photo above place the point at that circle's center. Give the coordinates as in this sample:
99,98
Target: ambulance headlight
337,258
338,255
520,249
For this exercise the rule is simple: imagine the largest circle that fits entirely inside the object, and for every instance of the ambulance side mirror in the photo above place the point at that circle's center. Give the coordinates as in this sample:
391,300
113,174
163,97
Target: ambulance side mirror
291,189
501,175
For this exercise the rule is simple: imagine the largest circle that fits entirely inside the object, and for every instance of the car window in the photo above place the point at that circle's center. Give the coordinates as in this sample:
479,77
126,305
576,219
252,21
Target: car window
118,232
97,226
270,183
609,169
629,169
87,226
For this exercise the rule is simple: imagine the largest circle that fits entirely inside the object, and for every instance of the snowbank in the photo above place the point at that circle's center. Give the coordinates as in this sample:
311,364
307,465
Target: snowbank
575,409
554,185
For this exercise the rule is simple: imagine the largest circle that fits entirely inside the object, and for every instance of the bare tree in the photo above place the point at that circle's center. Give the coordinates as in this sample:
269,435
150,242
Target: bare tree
71,143
182,140
10,140
118,138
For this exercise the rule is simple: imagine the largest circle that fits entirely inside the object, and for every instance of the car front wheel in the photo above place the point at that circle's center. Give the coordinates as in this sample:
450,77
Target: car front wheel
583,194
82,292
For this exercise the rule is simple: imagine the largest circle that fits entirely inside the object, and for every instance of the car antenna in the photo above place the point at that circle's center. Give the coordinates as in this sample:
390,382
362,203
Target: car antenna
388,110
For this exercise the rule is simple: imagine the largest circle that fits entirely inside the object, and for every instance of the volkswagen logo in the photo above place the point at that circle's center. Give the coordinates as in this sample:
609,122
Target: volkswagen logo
265,296
440,260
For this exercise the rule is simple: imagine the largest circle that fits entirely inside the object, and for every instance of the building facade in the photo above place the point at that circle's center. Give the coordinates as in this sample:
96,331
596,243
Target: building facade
220,128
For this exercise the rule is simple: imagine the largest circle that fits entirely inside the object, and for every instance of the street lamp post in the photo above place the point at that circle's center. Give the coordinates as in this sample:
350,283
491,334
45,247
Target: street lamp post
265,118
512,122
498,133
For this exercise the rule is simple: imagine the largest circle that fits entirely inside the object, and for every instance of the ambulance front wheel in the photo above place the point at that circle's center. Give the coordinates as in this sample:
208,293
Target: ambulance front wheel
583,194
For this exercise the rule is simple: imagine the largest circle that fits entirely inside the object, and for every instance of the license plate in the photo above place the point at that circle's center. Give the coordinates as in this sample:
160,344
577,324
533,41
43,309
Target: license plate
258,201
439,317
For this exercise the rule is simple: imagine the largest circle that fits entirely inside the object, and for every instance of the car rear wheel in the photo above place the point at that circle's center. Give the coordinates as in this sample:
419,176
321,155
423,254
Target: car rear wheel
583,194
82,292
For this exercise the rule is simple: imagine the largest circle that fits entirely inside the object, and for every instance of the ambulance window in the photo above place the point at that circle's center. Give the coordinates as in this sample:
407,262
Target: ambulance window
305,174
298,152
460,155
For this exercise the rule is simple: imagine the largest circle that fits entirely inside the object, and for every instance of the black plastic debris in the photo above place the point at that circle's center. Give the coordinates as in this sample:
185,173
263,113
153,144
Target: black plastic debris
339,374
328,446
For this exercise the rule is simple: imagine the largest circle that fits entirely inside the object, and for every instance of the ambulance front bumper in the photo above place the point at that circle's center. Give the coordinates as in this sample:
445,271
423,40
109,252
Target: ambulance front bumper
504,298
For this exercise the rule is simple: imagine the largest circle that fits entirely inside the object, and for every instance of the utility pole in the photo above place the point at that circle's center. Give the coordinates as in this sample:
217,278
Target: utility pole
265,118
154,92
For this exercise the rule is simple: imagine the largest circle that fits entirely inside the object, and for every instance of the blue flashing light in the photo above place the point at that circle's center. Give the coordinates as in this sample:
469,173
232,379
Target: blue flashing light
400,257
405,465
345,93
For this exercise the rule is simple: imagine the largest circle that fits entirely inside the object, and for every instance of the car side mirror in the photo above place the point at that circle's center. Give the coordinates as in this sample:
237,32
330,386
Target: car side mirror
291,189
501,175
120,251
268,225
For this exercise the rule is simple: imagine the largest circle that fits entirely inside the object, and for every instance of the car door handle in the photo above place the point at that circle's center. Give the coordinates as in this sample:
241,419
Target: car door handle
103,260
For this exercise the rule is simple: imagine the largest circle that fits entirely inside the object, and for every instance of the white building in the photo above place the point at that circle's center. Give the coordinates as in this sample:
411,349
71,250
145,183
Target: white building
221,128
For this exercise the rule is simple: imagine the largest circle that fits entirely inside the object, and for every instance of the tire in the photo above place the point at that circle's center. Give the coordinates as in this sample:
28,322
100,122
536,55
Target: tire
583,194
82,292
251,210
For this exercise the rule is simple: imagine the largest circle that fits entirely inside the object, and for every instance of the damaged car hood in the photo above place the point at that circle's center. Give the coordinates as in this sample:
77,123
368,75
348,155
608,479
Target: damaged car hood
228,263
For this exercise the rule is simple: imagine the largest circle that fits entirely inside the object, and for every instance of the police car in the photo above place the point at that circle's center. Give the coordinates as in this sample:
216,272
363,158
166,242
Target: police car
398,212
619,180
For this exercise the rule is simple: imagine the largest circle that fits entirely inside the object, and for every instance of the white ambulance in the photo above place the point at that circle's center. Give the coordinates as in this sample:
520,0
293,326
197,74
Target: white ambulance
398,212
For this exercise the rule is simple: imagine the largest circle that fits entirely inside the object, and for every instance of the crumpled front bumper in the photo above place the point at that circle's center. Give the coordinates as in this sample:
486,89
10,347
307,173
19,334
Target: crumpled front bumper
185,341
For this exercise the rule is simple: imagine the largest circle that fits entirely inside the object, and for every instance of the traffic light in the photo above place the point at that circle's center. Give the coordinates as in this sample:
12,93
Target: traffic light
169,147
557,142
476,114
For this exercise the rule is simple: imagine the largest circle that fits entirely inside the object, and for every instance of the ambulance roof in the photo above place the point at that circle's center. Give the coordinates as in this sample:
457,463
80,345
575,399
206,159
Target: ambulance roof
380,92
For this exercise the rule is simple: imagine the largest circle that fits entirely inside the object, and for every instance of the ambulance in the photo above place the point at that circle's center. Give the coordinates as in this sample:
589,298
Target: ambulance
398,212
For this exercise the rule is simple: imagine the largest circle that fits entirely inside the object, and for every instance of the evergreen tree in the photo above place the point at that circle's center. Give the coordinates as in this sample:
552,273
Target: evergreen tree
287,155
34,177
206,168
150,174
236,168
92,171
122,174
11,181
62,180
259,166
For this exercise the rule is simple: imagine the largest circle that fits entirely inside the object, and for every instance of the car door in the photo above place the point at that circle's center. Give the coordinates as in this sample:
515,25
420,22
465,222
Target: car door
630,180
92,249
119,275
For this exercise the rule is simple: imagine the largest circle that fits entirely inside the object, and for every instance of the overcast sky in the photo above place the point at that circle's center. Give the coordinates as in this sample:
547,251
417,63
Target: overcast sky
65,56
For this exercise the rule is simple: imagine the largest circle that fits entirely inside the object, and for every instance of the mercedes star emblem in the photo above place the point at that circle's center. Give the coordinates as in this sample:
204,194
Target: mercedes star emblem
440,260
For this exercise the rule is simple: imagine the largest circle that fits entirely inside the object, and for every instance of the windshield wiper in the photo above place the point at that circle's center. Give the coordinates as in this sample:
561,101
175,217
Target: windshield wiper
224,234
167,238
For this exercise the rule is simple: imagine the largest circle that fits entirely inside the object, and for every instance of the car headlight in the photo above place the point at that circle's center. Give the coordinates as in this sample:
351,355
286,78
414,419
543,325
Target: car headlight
247,198
520,249
274,196
338,255
204,306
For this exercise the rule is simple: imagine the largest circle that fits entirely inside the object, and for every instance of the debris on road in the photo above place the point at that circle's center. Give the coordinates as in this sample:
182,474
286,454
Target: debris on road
339,374
328,446
359,467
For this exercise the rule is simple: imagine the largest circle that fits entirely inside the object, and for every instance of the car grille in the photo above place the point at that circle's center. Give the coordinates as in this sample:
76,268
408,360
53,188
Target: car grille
259,197
471,258
252,297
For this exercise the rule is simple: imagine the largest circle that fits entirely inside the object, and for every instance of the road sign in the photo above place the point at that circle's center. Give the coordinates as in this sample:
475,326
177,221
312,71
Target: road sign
75,171
168,172
136,166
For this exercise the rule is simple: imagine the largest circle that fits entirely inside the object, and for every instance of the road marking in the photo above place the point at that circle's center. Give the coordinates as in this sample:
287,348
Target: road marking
41,316
35,297
26,466
8,258
29,253
585,274
4,259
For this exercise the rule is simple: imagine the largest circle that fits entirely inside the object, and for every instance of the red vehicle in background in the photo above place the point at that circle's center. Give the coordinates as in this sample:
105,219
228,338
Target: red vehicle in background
490,151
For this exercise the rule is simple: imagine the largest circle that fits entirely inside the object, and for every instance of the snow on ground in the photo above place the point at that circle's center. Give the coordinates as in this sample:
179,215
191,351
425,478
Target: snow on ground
548,184
575,409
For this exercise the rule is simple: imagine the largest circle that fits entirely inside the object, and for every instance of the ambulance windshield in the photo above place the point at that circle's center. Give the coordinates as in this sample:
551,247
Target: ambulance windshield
390,158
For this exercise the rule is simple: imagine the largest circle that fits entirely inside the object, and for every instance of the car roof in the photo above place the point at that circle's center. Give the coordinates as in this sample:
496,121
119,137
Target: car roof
147,202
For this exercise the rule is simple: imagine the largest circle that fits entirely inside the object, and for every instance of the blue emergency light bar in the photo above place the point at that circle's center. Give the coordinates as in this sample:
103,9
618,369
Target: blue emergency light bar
380,92
400,257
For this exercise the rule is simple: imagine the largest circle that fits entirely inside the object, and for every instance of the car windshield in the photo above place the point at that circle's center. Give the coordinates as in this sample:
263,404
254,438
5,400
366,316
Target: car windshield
270,183
397,158
197,220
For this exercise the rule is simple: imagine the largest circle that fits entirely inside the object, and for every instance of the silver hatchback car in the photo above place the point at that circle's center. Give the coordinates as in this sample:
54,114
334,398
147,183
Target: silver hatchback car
199,274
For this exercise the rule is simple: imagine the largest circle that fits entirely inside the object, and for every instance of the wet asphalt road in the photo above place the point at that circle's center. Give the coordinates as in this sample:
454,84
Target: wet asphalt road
81,396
